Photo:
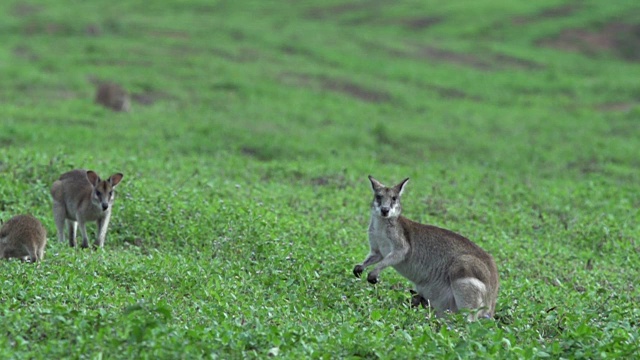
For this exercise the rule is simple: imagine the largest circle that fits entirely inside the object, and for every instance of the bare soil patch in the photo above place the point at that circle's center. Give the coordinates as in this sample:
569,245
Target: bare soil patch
615,106
486,61
617,38
421,23
24,8
320,13
342,86
548,13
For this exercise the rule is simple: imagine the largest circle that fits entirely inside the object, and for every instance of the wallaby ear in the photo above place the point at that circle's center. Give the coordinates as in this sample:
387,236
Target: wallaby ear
375,184
93,178
115,179
400,187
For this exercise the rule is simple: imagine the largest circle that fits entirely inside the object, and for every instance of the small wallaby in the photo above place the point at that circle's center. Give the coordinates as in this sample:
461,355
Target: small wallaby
113,96
80,196
449,271
24,237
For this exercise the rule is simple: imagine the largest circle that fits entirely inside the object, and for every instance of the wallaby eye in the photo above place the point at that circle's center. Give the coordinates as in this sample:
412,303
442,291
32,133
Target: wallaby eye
378,198
98,193
394,198
110,193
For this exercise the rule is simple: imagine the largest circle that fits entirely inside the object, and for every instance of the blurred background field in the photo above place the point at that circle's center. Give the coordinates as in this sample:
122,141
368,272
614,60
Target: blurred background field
245,201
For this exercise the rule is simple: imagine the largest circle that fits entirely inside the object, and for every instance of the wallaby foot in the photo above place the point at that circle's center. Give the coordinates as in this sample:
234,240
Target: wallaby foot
357,271
417,300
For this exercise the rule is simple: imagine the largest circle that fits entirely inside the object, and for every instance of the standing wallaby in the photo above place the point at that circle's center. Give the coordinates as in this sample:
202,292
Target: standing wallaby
449,271
113,96
80,196
24,237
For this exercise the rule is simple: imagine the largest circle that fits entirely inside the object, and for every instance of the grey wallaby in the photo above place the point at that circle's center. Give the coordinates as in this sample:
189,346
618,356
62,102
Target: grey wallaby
23,237
449,271
80,196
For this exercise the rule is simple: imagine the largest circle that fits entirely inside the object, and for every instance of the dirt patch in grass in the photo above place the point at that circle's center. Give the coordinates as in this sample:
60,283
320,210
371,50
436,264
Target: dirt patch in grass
449,93
25,53
411,23
617,38
342,86
242,55
148,98
354,90
421,23
486,61
548,13
326,12
24,9
307,54
616,106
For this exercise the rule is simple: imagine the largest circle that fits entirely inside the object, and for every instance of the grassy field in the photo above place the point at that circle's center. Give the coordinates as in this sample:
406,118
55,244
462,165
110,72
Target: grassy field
245,198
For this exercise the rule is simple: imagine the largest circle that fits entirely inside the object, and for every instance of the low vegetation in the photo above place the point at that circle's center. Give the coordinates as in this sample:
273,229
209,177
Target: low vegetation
245,199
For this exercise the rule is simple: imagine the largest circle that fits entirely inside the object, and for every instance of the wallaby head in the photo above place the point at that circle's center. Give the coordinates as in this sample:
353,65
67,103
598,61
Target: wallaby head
386,200
103,189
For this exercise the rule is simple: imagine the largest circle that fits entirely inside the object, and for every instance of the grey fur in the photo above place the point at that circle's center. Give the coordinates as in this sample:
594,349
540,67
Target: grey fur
23,237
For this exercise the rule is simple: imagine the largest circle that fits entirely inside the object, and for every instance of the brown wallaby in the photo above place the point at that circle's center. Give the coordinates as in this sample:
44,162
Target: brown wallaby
80,196
449,271
113,96
24,237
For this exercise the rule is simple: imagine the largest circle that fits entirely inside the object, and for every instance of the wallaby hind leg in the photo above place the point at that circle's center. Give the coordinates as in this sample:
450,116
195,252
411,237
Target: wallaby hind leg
33,254
103,226
40,252
417,300
73,230
59,215
469,293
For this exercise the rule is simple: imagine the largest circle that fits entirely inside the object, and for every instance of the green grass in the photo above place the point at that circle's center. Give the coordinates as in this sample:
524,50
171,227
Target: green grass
244,204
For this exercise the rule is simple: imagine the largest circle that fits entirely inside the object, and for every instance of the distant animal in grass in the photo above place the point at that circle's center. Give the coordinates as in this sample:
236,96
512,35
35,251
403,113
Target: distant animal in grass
113,96
80,196
449,271
23,237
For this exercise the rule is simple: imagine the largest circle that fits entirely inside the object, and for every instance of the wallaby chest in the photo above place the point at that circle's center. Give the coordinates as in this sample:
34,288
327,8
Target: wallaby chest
385,235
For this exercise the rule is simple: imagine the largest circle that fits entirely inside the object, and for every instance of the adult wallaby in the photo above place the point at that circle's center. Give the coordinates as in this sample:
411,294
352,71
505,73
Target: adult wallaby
24,237
80,196
449,271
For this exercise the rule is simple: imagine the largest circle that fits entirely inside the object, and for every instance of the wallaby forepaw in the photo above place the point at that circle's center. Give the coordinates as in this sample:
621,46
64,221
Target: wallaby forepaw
372,278
357,271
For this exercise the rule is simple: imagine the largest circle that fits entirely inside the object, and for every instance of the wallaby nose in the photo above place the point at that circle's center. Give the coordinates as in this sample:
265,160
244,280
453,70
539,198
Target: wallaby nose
384,211
105,206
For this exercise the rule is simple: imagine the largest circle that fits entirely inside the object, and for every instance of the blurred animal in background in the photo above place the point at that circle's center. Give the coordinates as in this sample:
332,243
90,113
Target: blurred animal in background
113,96
23,237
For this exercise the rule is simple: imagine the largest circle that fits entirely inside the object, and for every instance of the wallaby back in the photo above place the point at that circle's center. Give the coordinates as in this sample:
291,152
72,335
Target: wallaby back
24,237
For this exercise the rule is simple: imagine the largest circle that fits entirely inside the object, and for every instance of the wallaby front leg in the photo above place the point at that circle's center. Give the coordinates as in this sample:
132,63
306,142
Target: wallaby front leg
59,216
83,230
103,225
73,227
373,258
393,258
